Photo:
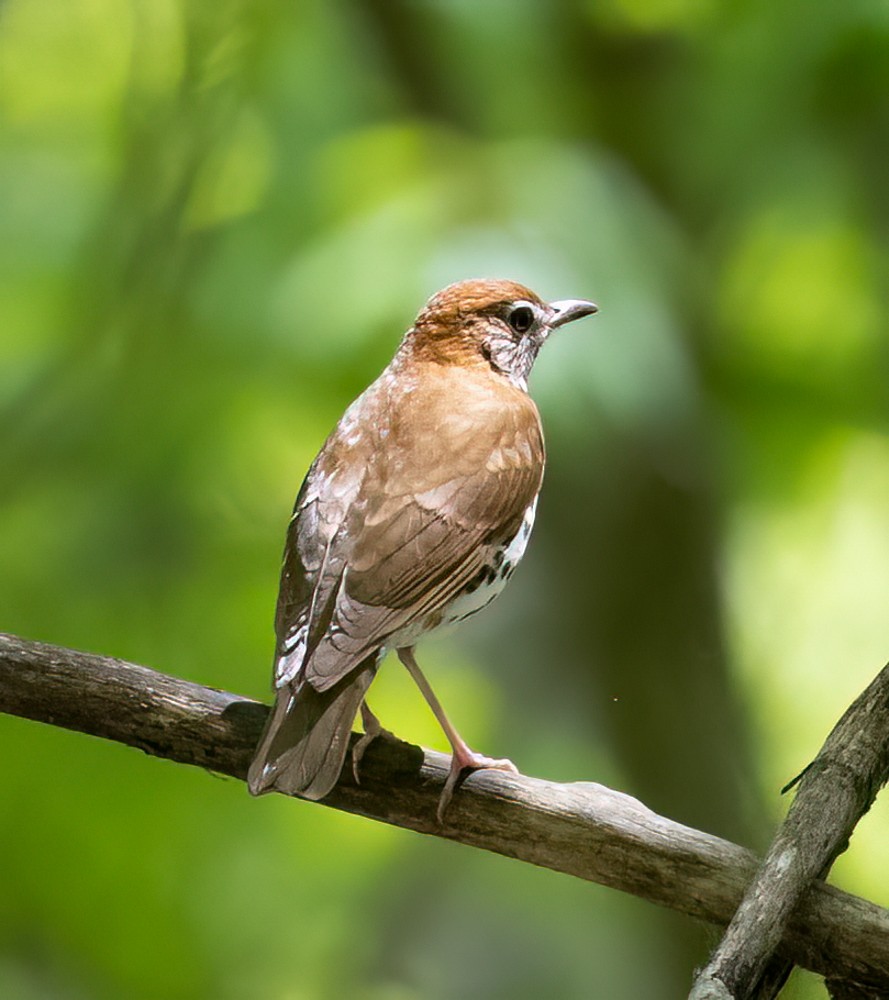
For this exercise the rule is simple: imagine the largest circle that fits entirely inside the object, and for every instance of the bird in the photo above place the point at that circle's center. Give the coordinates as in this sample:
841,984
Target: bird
412,518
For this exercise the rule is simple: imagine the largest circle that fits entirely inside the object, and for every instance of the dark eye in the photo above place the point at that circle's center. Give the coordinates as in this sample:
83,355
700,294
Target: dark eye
521,319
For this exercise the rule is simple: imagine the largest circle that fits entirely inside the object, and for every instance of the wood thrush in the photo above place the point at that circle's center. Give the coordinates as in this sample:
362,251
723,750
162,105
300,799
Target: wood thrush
411,518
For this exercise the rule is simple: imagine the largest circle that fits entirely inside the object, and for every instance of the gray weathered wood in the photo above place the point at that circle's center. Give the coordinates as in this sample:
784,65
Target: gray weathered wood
834,792
581,828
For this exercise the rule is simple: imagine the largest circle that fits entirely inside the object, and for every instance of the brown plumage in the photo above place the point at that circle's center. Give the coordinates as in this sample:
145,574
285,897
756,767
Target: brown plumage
411,517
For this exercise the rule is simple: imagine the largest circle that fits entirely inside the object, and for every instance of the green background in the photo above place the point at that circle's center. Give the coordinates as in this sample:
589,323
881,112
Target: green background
216,220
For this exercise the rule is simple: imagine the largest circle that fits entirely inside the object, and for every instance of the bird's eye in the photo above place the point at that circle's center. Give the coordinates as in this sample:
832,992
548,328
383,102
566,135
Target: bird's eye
521,319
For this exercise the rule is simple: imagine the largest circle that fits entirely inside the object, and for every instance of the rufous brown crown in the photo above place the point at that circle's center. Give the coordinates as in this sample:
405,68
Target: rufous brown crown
455,323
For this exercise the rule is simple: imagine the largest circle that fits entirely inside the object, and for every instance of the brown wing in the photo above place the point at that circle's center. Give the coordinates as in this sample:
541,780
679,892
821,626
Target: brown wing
456,464
313,554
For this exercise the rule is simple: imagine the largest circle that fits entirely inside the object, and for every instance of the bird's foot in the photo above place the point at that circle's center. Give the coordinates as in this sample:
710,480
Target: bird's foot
465,760
372,729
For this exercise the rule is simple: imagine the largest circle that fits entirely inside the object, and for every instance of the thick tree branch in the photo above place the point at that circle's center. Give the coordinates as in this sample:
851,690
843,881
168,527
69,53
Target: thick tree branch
582,829
835,791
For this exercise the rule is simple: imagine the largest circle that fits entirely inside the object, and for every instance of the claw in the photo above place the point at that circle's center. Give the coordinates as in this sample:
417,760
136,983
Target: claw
372,729
462,761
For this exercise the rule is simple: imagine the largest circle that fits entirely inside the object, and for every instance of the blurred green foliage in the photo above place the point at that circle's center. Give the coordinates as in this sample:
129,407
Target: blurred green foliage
216,221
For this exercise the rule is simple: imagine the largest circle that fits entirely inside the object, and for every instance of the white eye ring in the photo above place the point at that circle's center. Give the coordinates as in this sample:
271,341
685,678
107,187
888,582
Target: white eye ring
521,317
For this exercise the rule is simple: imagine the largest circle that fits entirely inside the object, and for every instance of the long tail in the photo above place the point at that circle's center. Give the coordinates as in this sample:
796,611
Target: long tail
306,737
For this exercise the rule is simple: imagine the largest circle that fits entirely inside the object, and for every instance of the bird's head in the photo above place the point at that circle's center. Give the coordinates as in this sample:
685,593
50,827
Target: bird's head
500,324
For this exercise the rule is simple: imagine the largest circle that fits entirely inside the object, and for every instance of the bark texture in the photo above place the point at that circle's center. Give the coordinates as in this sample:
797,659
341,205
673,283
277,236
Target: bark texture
581,829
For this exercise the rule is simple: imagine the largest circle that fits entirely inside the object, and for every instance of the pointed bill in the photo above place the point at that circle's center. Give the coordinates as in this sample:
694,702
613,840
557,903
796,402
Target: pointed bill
568,310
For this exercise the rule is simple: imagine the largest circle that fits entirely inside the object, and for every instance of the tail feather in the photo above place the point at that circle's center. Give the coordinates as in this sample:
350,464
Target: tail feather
306,737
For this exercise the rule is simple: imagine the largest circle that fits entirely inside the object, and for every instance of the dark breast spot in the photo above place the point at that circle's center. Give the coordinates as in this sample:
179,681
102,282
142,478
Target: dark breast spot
486,575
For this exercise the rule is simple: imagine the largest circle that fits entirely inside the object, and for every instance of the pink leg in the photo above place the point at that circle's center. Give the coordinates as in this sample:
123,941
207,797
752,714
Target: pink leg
463,757
372,729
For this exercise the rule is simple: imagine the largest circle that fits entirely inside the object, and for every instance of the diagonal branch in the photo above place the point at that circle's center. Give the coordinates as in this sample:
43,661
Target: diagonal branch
582,829
835,791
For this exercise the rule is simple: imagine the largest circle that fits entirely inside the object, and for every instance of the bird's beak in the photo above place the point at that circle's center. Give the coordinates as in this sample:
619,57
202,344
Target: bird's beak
568,310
